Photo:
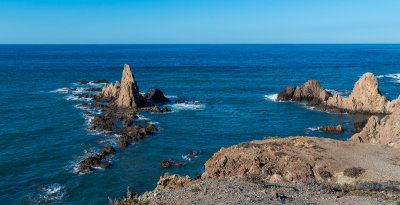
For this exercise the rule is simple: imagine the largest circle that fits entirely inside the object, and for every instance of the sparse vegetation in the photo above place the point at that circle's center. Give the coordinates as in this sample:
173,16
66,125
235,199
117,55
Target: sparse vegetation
128,200
354,172
325,174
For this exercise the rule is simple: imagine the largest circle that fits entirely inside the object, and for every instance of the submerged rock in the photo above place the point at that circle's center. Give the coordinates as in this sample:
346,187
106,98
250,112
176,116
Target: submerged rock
167,164
67,90
93,89
100,81
83,83
86,95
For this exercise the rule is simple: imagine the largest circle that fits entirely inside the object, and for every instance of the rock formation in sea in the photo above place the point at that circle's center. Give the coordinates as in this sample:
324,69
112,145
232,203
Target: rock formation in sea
385,131
156,96
111,91
128,95
331,129
119,105
365,97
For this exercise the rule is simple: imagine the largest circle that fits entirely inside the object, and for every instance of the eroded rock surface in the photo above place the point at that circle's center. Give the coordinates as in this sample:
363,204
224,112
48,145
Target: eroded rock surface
305,158
365,97
385,131
128,96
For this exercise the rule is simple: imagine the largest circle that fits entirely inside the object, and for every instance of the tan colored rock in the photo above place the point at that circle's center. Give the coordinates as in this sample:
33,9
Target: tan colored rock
128,96
365,97
385,131
304,158
111,91
174,181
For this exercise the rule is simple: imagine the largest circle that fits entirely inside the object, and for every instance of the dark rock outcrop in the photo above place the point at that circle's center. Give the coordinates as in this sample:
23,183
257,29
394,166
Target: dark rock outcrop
100,82
98,160
93,90
156,96
309,92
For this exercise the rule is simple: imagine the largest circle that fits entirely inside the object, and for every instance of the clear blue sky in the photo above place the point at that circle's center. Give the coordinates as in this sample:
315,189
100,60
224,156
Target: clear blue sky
199,21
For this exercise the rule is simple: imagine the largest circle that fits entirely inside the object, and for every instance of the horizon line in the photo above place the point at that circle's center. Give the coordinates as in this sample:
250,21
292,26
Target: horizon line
199,43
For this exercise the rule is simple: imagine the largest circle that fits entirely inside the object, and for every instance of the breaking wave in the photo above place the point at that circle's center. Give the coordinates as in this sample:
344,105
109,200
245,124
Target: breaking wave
272,97
187,106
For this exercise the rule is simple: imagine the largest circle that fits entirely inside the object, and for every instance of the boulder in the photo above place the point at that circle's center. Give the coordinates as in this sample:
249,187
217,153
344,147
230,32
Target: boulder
174,181
167,164
331,129
156,96
287,94
151,128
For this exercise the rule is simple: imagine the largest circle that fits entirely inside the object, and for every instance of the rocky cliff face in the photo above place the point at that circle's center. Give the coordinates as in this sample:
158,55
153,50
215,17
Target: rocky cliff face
365,97
385,131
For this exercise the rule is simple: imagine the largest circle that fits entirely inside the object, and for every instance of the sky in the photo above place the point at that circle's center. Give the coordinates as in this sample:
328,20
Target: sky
199,21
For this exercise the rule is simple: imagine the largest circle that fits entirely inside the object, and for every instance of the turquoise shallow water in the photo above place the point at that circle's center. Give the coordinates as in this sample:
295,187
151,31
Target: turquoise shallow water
42,134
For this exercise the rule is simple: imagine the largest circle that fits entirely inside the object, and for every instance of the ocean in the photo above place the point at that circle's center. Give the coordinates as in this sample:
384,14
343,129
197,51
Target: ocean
230,90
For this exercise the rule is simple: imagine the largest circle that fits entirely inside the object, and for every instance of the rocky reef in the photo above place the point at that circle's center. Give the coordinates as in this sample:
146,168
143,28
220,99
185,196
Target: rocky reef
365,97
119,105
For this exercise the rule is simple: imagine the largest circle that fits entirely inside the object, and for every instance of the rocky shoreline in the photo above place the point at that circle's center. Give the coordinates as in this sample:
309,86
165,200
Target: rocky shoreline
365,169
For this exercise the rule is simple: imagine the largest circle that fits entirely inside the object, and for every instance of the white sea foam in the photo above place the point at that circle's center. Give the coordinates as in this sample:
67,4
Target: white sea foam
72,97
50,194
187,106
313,128
395,76
66,90
141,117
192,156
272,97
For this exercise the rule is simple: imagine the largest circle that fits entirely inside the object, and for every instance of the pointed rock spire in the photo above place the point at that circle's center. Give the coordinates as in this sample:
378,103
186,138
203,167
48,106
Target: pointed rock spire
128,96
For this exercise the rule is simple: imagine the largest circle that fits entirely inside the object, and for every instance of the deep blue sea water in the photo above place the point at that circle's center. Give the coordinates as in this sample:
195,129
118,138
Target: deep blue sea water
42,135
